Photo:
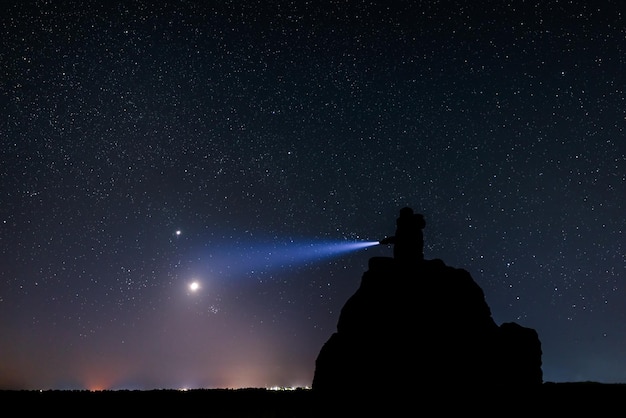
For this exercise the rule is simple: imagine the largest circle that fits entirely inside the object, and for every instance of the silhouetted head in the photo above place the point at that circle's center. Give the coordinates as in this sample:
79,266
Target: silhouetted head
406,212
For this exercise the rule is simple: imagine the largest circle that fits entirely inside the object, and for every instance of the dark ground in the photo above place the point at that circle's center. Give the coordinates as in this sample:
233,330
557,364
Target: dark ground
555,399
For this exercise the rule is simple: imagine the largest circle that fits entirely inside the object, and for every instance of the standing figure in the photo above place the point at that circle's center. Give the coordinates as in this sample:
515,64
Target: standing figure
408,242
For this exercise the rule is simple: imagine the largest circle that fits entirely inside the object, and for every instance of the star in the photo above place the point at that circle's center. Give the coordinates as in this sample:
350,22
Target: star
194,286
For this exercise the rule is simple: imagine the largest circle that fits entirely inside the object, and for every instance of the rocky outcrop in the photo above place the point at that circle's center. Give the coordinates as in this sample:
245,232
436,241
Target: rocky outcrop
423,324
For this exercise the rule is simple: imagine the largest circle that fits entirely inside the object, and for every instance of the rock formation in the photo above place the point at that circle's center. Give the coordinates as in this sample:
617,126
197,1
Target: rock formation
423,324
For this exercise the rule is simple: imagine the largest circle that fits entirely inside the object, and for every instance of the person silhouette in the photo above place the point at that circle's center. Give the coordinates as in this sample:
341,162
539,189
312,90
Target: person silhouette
408,242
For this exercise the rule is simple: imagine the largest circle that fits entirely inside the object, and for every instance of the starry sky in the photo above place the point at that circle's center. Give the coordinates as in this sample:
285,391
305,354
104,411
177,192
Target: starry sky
148,146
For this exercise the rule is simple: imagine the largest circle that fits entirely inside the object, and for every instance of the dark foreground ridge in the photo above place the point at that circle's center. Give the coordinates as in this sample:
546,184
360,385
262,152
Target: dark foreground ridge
557,399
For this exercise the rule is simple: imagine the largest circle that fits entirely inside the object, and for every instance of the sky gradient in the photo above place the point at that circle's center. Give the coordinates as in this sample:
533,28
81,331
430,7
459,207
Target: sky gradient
235,144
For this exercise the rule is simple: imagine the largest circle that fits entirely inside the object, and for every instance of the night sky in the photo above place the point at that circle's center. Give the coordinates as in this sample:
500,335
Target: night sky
147,146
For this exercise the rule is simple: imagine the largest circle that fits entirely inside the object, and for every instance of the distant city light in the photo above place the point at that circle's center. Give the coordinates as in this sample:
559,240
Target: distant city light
280,388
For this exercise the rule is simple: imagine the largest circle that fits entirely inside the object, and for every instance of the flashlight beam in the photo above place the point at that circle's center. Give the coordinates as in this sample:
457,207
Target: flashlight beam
280,254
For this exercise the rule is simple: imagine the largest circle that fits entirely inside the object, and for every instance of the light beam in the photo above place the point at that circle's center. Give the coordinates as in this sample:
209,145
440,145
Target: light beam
279,254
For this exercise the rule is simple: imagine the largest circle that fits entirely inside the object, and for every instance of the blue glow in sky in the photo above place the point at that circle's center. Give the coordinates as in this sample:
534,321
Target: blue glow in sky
250,256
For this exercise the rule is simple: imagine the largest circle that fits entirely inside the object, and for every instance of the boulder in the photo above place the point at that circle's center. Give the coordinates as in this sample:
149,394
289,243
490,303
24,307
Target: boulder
423,325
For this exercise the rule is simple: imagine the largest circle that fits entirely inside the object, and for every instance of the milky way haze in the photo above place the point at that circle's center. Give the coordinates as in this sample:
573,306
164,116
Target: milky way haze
147,147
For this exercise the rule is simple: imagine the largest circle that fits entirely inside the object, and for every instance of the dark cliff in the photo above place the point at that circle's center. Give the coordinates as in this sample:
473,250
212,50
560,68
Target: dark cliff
411,325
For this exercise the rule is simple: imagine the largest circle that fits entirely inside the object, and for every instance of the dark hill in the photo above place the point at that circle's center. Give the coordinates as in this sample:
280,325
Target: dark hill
411,325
